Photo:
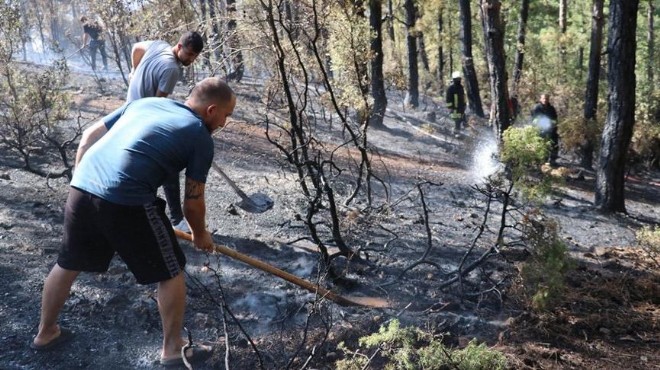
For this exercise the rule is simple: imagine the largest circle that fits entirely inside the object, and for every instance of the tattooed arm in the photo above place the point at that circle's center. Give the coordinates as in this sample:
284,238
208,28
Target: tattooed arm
194,209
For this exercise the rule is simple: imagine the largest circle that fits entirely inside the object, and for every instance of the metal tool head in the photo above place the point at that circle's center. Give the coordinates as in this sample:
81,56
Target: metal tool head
256,203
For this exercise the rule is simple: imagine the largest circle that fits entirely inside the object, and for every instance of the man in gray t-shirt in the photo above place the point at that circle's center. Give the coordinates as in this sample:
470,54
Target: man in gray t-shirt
156,67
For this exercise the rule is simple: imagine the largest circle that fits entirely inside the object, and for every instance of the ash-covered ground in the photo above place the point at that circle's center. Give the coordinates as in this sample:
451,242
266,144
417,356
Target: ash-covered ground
255,319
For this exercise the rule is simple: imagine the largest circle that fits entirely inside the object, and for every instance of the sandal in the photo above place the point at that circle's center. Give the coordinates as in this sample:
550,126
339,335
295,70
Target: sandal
194,354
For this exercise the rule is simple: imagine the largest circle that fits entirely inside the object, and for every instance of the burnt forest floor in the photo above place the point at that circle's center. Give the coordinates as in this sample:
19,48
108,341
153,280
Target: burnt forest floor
607,319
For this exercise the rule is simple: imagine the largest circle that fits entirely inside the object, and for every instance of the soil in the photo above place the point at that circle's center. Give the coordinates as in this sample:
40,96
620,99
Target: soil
608,317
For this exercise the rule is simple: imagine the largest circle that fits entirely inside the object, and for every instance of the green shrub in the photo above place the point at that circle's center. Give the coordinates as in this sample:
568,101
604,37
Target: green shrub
523,152
649,239
645,142
544,272
478,357
411,348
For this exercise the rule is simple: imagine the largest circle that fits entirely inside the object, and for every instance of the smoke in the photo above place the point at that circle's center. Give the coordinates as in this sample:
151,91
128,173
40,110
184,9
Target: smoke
78,60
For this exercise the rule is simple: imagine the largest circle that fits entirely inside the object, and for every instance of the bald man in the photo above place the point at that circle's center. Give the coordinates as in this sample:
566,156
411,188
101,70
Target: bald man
113,207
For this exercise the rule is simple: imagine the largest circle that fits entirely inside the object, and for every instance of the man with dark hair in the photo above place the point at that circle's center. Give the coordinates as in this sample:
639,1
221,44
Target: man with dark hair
156,68
456,102
544,116
93,32
113,208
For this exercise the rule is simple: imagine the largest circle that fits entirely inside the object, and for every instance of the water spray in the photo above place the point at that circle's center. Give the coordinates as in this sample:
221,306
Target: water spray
484,158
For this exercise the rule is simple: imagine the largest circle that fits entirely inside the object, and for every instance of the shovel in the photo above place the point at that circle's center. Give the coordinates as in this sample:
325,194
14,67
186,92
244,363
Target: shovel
321,292
258,203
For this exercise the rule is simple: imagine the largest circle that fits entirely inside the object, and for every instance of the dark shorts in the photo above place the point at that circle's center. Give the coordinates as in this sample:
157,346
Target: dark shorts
94,229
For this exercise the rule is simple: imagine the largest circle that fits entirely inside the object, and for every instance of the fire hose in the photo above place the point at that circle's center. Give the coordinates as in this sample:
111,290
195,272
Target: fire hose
314,288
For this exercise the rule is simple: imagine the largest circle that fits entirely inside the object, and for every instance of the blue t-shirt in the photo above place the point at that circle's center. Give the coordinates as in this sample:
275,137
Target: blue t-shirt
147,141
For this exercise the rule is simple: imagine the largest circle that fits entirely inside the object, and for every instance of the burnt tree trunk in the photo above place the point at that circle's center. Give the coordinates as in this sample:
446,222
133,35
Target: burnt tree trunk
618,130
650,41
362,66
377,79
494,38
450,41
563,16
421,46
390,21
215,45
593,76
520,46
471,83
235,53
206,53
441,53
412,96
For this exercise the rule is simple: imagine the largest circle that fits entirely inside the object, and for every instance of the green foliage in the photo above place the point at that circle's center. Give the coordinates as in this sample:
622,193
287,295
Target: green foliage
396,343
350,36
411,348
574,130
32,101
543,273
161,20
649,239
33,104
524,147
475,356
523,152
645,143
10,30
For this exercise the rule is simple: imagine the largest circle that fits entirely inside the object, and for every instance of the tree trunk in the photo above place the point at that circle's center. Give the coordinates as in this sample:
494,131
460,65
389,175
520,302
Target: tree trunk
450,41
206,22
421,46
126,49
593,76
618,130
441,54
494,39
650,40
40,23
235,53
471,82
563,15
520,46
56,34
580,60
390,21
412,96
377,79
215,45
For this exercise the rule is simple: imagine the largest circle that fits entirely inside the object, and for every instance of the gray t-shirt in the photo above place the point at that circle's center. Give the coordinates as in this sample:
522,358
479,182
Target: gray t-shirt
158,70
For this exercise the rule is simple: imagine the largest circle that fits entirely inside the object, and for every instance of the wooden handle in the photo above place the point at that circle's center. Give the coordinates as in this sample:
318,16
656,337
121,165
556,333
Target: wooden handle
314,288
230,182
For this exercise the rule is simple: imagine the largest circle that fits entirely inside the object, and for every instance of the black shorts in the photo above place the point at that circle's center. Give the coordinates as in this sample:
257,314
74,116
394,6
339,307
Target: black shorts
94,229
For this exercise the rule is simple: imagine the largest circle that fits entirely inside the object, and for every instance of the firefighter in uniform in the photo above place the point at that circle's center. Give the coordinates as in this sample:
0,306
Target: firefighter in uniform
456,102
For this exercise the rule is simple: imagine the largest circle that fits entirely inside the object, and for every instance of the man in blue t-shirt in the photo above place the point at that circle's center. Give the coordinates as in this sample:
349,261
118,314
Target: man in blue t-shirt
113,207
156,68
